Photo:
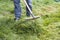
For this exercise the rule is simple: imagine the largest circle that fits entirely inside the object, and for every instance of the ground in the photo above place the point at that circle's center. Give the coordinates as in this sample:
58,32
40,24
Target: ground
47,27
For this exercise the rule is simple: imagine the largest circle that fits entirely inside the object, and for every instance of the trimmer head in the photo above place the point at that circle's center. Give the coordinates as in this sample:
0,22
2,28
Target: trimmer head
32,18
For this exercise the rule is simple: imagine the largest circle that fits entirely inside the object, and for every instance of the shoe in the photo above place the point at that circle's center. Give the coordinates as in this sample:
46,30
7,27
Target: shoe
16,19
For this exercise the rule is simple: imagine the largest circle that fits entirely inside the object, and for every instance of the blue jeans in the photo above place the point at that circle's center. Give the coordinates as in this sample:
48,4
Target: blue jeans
18,10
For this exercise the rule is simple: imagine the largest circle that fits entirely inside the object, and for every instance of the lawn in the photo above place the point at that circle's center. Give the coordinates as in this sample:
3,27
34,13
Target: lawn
47,27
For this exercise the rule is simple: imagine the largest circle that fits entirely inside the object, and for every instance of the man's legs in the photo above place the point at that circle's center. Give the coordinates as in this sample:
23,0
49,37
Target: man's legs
17,9
29,2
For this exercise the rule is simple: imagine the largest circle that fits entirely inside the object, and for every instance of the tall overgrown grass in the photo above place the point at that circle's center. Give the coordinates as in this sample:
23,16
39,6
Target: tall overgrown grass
47,27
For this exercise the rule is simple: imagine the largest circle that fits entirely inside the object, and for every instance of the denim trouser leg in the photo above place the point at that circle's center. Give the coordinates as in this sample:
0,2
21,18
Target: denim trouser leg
29,2
17,8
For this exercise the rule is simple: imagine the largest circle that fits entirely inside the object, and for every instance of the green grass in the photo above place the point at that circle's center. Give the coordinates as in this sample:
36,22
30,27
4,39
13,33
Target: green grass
45,28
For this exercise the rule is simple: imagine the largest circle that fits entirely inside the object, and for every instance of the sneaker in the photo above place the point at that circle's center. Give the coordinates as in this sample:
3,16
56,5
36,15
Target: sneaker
16,19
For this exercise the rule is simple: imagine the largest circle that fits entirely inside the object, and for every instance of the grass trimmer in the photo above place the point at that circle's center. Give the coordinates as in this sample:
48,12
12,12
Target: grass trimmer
31,13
